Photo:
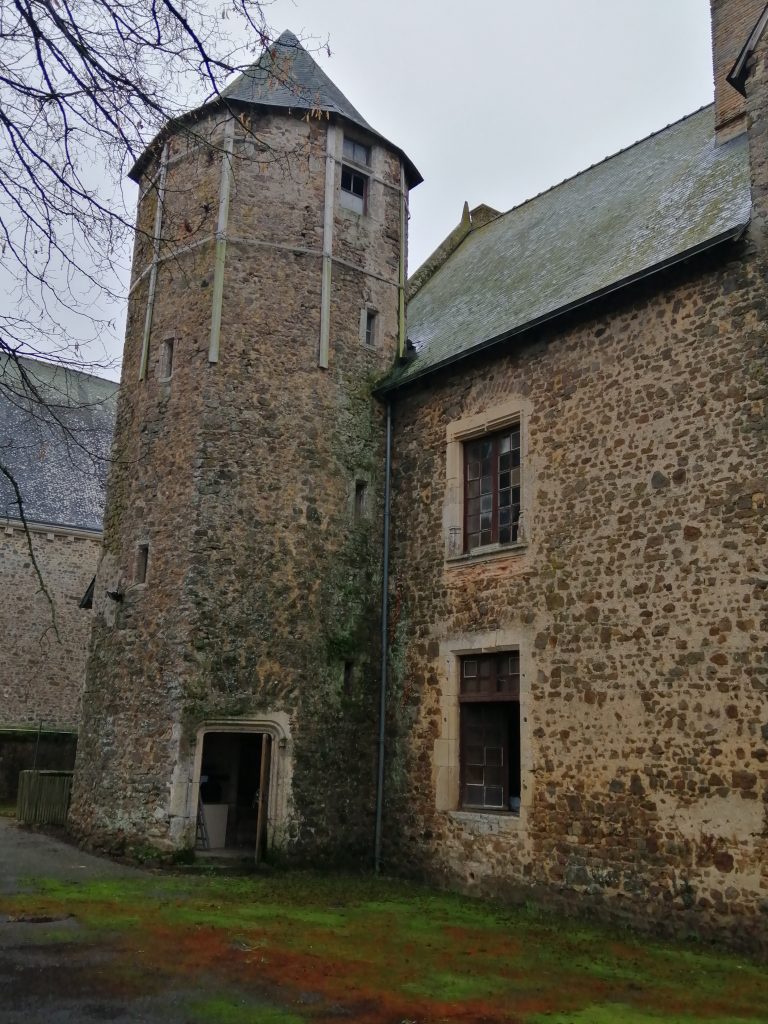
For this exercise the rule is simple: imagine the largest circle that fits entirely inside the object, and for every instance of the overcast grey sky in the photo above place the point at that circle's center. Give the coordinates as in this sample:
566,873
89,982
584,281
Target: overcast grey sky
495,100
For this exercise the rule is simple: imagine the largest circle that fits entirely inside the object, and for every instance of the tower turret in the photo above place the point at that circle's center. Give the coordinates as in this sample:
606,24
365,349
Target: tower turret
234,654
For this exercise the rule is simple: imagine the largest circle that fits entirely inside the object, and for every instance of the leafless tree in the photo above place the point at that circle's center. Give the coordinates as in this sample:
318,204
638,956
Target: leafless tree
84,87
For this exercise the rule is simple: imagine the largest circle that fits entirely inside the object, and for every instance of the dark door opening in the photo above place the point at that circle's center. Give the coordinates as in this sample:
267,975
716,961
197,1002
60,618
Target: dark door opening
234,791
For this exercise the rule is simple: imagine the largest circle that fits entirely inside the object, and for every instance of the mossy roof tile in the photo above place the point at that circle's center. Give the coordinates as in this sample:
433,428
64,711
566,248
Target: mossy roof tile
666,196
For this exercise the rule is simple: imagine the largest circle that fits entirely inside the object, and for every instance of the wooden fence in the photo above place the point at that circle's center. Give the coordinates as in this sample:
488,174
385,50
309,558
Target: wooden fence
44,797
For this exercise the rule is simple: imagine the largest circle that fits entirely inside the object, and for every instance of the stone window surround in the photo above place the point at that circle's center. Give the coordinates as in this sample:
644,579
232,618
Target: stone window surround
141,562
370,171
167,355
365,310
354,515
446,767
494,419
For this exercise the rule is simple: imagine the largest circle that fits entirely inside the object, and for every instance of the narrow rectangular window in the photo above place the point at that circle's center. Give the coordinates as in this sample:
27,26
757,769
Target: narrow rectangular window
370,328
349,674
489,715
166,359
354,189
142,562
361,499
492,489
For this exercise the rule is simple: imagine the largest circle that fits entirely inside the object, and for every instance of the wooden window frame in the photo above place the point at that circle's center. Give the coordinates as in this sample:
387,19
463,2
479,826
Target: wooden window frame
356,153
352,203
516,508
497,691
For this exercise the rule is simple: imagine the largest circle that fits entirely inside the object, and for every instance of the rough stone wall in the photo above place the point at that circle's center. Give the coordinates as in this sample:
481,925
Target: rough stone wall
240,476
732,22
638,602
41,674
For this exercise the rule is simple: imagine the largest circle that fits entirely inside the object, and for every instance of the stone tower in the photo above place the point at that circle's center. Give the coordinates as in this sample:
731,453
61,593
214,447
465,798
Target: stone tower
234,656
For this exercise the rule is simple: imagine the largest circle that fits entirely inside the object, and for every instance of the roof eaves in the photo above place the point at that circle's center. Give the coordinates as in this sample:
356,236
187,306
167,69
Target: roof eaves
388,387
232,104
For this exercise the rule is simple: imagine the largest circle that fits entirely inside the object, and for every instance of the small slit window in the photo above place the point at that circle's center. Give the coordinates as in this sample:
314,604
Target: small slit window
166,359
370,328
349,675
142,563
361,499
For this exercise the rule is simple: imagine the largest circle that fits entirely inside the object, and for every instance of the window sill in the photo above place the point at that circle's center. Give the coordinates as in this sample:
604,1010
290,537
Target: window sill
348,210
488,822
487,553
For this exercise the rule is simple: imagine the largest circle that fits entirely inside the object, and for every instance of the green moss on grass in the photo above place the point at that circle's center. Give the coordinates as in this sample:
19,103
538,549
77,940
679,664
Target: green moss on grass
621,1014
237,1011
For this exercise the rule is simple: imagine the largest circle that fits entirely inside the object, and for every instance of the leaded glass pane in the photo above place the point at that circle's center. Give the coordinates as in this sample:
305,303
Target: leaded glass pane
494,796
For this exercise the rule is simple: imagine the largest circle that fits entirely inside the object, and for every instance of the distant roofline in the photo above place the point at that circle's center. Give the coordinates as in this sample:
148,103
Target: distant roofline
35,361
42,526
388,387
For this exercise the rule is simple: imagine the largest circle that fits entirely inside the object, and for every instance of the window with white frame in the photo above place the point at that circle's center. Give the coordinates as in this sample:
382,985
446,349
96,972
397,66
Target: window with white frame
355,174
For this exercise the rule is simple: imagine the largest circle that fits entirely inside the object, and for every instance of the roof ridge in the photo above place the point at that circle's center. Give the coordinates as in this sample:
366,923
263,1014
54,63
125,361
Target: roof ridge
63,367
605,160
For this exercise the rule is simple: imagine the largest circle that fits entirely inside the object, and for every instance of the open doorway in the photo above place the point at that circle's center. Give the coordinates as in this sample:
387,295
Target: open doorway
234,793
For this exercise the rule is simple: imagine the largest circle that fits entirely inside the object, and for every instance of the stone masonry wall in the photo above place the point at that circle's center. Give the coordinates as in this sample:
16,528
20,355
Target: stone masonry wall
41,675
241,476
638,602
732,22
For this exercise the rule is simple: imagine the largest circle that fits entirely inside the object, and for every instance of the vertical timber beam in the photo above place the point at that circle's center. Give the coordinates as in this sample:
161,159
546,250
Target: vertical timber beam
220,256
330,202
403,258
156,235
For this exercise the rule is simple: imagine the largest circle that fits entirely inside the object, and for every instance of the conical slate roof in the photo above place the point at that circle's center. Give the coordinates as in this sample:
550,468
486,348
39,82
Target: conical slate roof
287,78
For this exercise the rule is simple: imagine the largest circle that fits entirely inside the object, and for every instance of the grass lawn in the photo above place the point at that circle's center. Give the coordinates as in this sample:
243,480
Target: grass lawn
7,810
297,947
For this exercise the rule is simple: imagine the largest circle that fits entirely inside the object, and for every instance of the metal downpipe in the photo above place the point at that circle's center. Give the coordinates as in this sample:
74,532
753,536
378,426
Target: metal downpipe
384,649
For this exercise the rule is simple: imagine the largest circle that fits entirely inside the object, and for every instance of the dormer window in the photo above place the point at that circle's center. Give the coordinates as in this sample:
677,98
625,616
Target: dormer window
354,182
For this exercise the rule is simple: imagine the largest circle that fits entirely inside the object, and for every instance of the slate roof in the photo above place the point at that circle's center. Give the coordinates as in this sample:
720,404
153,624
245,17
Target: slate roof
57,451
286,77
646,207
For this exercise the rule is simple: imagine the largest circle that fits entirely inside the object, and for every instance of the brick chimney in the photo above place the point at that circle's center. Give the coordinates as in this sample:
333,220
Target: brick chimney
732,23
